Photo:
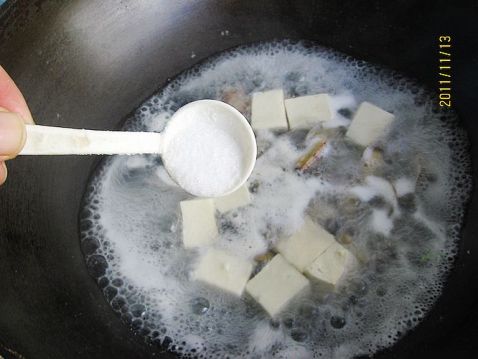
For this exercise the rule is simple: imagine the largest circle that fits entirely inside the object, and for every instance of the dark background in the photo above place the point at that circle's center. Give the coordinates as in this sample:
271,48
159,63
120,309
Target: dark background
90,63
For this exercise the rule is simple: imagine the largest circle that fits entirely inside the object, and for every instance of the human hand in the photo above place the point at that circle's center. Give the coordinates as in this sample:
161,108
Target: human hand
14,113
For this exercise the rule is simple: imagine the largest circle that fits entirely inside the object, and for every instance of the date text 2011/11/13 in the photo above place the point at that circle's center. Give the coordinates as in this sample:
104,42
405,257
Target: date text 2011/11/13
444,73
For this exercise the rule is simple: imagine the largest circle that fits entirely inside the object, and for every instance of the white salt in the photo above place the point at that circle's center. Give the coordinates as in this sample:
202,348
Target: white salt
204,158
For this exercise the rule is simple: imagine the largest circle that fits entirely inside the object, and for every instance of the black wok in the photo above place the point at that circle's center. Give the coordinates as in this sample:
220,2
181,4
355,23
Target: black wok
90,63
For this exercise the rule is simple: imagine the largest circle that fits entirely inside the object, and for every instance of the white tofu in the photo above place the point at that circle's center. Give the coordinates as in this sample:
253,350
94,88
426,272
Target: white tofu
304,246
238,198
276,285
224,271
307,111
368,124
268,110
199,222
329,267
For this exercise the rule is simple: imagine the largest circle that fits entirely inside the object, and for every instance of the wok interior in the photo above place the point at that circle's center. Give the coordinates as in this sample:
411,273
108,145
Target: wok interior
89,64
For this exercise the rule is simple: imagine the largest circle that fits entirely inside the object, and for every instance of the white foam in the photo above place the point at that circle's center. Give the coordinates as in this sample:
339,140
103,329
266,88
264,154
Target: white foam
404,186
381,222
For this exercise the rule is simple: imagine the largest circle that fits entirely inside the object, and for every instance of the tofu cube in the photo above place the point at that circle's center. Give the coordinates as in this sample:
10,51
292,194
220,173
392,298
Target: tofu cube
268,110
224,271
329,267
199,222
368,124
276,285
307,111
238,198
304,246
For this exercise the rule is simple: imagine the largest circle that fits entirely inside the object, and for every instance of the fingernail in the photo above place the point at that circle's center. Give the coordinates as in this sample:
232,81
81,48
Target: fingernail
3,173
12,134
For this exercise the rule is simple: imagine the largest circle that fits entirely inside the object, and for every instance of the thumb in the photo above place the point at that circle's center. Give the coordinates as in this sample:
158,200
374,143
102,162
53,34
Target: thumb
11,97
12,135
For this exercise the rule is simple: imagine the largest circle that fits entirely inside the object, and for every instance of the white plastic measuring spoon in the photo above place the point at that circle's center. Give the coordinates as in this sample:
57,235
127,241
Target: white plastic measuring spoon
196,128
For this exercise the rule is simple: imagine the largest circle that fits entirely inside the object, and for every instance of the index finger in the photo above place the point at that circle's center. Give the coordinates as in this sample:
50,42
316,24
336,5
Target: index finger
11,98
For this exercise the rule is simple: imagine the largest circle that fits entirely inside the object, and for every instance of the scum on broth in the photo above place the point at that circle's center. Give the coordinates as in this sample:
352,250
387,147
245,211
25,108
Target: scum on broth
131,230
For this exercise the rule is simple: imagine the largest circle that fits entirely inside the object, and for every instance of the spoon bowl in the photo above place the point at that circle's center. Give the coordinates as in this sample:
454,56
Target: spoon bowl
208,148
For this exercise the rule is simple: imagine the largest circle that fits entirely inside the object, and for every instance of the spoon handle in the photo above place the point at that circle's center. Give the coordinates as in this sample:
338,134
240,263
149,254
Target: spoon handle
46,140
